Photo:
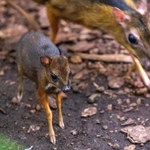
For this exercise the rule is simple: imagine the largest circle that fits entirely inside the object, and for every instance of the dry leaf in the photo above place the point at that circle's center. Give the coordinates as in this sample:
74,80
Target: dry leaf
137,134
76,59
90,111
93,98
115,82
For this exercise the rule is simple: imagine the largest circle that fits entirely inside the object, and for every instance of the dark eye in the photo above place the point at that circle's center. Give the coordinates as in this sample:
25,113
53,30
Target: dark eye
54,77
132,39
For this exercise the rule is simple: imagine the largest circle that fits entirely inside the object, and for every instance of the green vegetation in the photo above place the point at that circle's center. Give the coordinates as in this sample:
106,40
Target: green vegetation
8,144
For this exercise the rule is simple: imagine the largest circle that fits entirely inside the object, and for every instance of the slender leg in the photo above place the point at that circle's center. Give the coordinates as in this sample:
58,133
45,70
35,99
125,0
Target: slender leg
59,97
54,22
142,72
44,101
20,89
20,85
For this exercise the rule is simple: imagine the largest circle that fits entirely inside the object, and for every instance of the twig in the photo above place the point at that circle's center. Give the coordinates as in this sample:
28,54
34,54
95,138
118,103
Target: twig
2,110
115,58
32,23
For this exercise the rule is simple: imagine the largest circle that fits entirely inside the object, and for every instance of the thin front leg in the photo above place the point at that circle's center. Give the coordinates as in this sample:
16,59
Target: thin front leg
59,102
44,101
54,22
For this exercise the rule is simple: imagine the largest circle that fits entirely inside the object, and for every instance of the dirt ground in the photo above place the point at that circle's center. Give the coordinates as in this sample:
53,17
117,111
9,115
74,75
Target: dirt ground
119,97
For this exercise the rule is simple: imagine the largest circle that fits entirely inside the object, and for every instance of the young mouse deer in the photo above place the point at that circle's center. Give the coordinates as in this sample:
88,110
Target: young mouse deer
42,62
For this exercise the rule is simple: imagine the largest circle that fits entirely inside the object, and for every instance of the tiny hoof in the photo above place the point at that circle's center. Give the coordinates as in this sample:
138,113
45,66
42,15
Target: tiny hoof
53,139
19,97
61,124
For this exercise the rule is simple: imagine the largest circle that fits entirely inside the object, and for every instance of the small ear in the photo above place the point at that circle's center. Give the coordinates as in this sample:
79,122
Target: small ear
45,60
142,7
120,16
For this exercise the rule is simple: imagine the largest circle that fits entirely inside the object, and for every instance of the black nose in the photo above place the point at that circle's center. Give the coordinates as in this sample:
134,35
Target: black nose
66,88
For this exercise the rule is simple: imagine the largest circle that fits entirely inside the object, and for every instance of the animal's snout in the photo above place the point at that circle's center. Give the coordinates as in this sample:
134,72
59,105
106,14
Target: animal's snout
66,88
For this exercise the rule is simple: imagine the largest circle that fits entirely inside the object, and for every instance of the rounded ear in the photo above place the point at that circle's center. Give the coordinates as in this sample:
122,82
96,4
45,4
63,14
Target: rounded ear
120,16
45,60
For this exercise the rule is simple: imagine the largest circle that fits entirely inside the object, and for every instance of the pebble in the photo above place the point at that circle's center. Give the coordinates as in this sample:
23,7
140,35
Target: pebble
109,106
105,127
74,132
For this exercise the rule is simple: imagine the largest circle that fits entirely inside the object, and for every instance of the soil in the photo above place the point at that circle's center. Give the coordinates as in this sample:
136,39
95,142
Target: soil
120,95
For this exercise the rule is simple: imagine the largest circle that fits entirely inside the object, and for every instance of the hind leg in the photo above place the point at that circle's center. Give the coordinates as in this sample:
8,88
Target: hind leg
20,85
20,89
54,22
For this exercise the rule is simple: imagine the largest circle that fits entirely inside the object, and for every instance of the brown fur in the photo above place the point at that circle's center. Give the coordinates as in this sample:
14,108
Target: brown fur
39,59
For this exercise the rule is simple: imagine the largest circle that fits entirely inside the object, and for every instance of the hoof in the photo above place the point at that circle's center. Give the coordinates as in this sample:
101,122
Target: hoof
53,139
61,124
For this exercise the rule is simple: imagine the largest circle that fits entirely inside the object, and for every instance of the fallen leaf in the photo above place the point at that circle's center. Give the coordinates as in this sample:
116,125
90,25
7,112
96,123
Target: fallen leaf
75,59
137,134
128,122
90,111
115,82
81,74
